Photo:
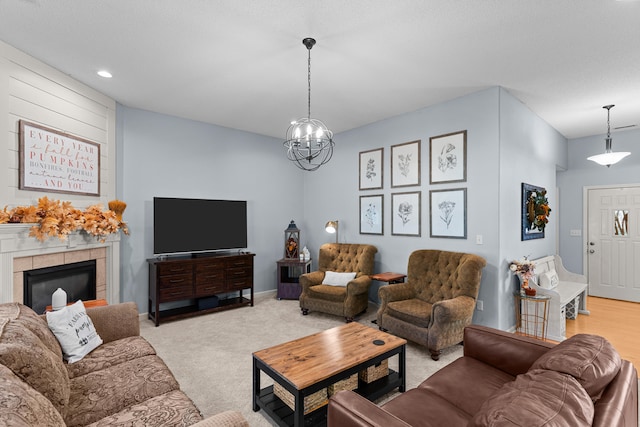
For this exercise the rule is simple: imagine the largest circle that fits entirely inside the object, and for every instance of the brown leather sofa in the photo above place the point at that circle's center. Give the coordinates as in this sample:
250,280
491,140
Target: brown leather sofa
508,380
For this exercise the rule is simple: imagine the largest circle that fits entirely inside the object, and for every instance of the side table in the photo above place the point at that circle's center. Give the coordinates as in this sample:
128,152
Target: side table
289,272
389,277
532,314
87,303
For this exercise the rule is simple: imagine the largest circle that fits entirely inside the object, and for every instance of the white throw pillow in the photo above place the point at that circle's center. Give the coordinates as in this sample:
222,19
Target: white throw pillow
74,330
337,279
549,279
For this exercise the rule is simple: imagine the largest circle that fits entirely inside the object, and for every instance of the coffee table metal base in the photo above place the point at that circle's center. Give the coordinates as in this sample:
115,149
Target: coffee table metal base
281,413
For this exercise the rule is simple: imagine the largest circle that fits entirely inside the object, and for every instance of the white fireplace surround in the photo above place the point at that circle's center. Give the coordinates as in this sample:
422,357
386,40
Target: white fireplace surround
16,248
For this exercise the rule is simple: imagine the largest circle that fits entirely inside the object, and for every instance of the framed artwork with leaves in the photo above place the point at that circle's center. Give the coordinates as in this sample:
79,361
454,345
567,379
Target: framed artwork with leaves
371,169
448,213
405,164
371,214
448,158
535,212
405,214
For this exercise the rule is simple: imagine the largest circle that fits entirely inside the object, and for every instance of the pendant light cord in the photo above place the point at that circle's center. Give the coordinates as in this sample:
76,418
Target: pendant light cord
309,83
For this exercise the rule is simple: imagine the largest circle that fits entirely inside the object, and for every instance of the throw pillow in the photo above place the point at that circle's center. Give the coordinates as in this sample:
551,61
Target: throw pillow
548,279
590,359
337,279
74,330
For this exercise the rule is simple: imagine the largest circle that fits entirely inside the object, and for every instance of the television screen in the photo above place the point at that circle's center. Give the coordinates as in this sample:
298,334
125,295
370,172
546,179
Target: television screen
198,225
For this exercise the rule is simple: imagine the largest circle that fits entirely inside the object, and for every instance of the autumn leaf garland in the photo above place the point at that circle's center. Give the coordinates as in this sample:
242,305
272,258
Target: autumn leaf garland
54,218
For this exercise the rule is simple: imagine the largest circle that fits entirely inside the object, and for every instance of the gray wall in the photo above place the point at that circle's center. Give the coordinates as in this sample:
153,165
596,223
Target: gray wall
530,151
506,144
167,156
584,173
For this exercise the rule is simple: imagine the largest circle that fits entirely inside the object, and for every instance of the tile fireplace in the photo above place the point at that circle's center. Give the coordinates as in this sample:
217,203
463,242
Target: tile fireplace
78,280
19,253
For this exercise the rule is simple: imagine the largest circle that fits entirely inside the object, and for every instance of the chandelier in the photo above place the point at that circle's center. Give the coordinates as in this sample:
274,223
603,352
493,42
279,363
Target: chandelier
309,143
609,157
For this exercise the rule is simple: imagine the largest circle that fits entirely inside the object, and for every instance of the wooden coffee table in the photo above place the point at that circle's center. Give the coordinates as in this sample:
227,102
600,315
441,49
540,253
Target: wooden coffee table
311,363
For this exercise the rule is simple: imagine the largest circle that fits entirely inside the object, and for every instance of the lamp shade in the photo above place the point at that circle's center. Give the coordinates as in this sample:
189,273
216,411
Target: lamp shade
608,159
332,227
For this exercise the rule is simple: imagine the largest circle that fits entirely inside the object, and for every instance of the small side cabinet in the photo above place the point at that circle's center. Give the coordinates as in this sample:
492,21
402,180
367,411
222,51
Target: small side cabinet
289,272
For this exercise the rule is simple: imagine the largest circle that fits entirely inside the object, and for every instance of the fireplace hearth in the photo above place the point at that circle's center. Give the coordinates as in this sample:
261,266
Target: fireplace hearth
77,279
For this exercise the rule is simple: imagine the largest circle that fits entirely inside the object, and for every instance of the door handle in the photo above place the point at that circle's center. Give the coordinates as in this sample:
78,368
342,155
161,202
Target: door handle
592,244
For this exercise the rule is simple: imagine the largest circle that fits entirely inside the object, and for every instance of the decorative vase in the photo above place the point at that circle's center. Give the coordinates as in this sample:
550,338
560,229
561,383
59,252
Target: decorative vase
529,291
59,299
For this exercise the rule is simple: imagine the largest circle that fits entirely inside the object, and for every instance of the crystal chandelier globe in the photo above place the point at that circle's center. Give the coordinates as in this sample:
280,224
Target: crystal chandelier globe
309,143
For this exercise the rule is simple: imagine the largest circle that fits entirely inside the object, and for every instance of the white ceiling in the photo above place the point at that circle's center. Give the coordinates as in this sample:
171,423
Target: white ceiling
241,63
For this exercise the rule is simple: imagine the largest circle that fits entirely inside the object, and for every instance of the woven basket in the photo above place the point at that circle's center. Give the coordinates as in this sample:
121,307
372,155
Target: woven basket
375,372
311,402
350,383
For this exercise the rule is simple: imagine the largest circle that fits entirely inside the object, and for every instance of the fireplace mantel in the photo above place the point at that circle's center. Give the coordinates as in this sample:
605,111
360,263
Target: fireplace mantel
15,242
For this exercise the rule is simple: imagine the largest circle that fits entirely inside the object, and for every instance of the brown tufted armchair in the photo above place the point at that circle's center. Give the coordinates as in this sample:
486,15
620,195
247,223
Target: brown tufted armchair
347,301
437,301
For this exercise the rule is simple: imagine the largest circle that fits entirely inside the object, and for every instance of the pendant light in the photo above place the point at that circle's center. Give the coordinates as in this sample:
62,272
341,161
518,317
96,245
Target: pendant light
609,157
309,143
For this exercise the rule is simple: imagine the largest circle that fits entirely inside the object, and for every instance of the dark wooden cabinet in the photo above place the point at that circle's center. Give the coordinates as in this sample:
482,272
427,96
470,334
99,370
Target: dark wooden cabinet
188,286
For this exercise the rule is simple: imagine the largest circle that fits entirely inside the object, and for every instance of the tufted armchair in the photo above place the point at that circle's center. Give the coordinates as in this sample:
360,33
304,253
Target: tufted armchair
349,300
436,303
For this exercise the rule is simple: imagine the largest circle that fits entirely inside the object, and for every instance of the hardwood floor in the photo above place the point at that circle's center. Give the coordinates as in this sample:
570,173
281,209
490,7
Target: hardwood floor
617,321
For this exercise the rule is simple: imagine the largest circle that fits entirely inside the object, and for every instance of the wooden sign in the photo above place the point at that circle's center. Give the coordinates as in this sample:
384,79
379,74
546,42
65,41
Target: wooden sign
57,162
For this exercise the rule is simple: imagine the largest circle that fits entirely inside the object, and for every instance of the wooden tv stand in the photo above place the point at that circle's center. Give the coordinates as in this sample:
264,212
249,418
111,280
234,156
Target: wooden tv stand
194,283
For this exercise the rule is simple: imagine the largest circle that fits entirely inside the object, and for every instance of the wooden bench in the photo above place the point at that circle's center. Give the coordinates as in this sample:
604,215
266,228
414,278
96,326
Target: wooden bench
568,296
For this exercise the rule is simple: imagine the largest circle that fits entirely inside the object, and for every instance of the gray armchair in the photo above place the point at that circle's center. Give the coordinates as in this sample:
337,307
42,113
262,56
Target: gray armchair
436,303
349,300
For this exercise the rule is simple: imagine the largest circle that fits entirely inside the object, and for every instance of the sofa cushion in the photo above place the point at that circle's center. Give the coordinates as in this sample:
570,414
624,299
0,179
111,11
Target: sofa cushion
30,359
170,409
74,330
21,405
419,407
466,370
535,399
22,315
111,390
328,292
590,359
111,354
414,311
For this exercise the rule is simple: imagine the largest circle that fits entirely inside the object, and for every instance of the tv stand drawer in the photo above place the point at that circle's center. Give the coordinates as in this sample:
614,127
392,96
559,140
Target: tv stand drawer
190,278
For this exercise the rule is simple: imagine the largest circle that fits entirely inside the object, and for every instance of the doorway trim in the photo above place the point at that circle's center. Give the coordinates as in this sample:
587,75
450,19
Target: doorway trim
585,219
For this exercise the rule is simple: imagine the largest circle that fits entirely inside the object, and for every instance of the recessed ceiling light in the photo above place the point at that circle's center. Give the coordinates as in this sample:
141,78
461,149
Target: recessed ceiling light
105,74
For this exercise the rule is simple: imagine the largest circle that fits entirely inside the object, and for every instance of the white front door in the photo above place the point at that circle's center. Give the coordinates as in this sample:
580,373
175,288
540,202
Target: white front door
613,243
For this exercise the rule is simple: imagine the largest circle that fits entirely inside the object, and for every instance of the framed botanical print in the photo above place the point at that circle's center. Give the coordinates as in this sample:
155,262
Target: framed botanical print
371,209
405,214
405,164
371,169
448,213
448,158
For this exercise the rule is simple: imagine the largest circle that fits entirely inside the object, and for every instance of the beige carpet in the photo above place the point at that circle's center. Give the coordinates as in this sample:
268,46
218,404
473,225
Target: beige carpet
210,355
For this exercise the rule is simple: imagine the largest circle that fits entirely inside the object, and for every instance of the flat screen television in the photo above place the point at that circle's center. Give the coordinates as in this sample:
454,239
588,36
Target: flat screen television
198,225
